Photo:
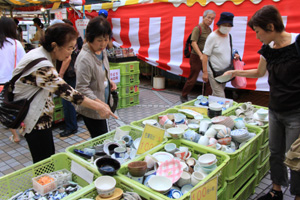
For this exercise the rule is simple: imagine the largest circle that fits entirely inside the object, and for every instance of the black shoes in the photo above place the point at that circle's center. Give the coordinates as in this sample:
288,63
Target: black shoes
183,99
277,195
67,133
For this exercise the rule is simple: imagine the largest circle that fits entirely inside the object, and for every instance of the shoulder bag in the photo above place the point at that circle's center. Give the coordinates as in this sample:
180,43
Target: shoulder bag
12,113
230,67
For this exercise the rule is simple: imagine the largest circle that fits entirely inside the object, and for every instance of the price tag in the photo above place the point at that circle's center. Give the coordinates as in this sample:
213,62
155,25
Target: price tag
207,191
151,137
201,110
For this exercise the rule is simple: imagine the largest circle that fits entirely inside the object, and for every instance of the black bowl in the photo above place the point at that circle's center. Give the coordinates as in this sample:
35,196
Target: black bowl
108,166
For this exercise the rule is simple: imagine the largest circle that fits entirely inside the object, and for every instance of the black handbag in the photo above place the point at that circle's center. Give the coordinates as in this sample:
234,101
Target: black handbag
12,113
115,97
230,67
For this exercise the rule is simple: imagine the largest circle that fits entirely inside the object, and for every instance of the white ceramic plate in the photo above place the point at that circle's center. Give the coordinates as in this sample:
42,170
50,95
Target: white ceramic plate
136,143
189,113
223,78
163,156
150,121
255,116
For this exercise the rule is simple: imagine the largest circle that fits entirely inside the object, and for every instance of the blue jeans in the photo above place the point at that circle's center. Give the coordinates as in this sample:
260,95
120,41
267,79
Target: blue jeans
283,131
69,110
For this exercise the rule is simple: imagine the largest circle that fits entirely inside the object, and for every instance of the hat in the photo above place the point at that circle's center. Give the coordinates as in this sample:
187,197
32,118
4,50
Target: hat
103,12
226,17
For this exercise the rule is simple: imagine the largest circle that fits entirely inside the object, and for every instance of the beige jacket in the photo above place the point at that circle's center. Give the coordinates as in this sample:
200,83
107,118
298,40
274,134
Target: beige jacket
90,78
22,90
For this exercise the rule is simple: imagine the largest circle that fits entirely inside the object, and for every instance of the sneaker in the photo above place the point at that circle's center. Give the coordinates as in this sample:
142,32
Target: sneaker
183,99
276,195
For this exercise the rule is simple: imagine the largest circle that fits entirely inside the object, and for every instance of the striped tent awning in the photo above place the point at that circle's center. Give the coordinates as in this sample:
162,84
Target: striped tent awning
20,3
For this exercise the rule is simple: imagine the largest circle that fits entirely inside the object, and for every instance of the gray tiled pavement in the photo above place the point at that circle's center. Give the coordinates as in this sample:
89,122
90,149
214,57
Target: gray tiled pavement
16,156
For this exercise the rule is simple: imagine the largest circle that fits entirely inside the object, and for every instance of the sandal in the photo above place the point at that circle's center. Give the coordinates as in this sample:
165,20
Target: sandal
12,139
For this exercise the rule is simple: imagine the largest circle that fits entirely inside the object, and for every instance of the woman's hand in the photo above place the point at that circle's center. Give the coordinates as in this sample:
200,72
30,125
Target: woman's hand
104,111
113,85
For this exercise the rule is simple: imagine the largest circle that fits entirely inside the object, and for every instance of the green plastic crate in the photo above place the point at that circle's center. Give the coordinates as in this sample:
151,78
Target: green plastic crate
241,177
195,149
241,156
91,191
125,91
126,67
134,133
264,153
57,102
263,169
130,79
58,114
191,103
130,100
247,190
221,192
265,136
21,180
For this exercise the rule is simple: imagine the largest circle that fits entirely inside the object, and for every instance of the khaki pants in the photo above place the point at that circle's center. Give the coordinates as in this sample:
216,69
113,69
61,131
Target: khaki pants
217,88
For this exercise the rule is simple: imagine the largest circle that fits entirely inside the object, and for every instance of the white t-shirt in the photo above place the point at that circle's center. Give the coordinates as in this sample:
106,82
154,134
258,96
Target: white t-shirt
7,59
218,50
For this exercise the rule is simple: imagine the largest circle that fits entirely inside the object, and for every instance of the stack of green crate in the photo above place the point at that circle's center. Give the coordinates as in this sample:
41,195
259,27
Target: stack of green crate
128,87
58,114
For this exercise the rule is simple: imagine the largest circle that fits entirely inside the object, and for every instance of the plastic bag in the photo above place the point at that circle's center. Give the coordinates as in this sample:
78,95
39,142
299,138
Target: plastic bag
239,82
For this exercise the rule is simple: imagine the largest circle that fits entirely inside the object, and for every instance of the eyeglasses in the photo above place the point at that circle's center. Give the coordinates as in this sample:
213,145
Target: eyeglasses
70,49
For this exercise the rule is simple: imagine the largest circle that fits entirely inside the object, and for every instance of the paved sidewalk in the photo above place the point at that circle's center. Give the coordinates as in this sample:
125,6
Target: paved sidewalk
16,156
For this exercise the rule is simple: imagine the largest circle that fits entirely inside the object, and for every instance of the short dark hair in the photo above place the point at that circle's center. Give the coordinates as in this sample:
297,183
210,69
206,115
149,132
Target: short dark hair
268,14
8,29
96,27
60,33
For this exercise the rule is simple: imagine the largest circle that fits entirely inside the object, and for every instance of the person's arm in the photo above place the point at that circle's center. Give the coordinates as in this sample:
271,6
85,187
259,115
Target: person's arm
251,73
204,68
64,67
196,48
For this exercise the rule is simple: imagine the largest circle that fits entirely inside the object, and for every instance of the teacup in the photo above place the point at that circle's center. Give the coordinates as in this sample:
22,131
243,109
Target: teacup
128,140
170,148
211,132
189,135
196,178
203,140
239,123
181,155
203,126
120,152
184,179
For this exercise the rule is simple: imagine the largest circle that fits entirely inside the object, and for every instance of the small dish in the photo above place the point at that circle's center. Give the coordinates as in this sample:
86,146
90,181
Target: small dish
116,196
160,184
152,122
162,156
170,169
125,157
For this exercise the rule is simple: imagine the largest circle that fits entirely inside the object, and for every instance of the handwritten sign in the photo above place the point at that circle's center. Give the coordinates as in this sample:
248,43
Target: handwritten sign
151,137
201,110
115,75
206,191
81,26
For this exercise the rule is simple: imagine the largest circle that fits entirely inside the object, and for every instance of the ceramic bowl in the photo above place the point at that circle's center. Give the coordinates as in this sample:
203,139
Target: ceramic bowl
160,184
240,135
176,133
170,147
105,186
227,121
207,159
262,113
107,166
137,168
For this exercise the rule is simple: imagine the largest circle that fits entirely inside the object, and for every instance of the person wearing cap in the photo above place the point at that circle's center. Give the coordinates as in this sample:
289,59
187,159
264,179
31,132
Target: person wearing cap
198,39
217,51
104,13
